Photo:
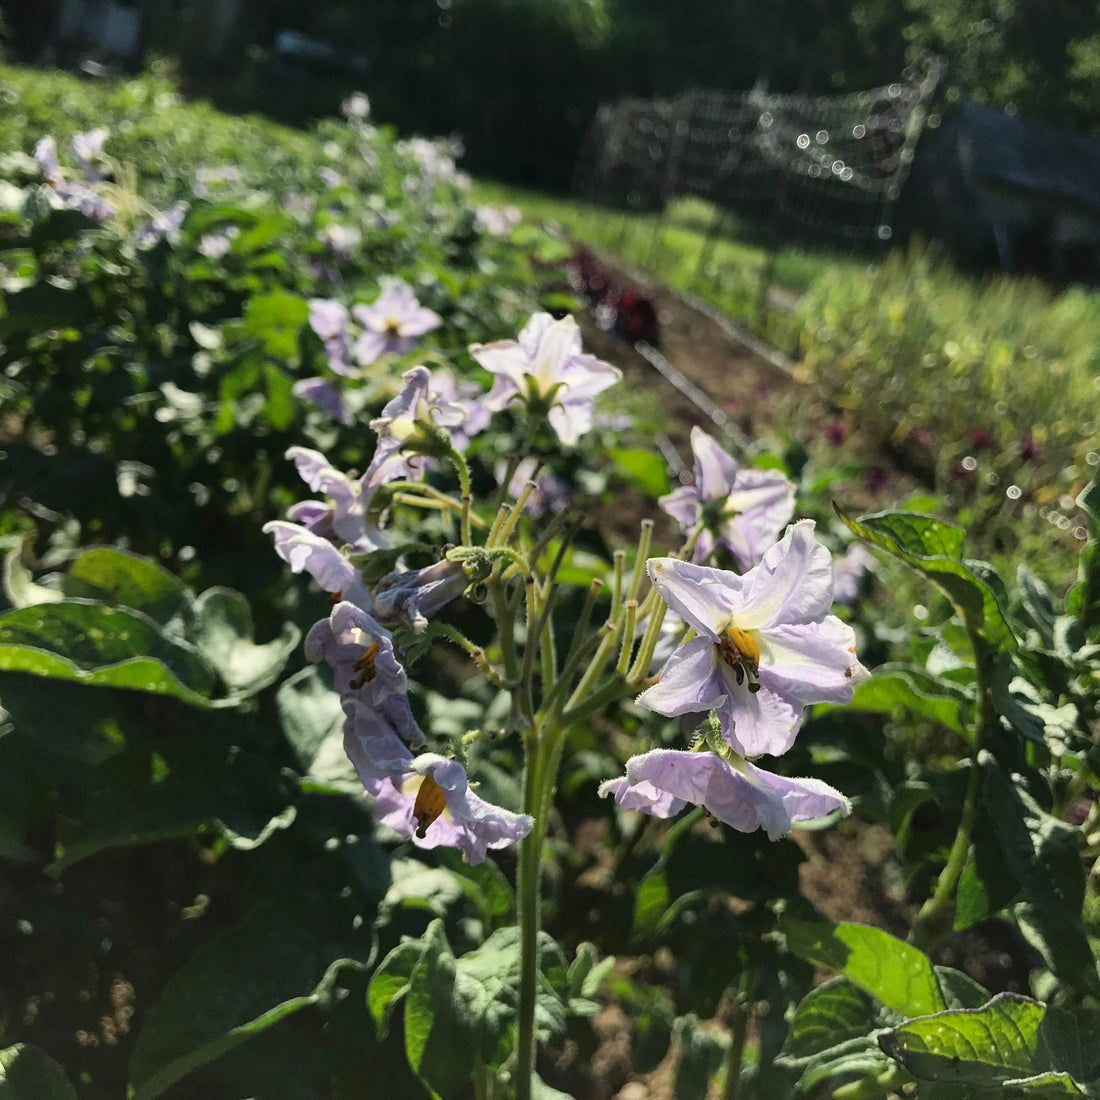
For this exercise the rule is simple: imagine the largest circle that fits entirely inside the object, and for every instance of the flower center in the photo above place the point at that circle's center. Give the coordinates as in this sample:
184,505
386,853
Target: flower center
742,653
392,327
430,804
364,665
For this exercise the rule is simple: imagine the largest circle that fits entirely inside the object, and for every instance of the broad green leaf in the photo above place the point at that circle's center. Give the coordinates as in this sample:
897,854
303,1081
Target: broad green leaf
313,724
223,635
443,1017
280,958
1052,1084
651,901
276,319
390,982
934,548
982,1047
899,975
1043,855
130,818
833,1013
1037,601
587,971
960,990
122,579
645,470
95,644
29,1073
911,691
484,884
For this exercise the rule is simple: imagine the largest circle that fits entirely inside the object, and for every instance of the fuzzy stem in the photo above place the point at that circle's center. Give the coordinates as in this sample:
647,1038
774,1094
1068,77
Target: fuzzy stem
628,636
739,1033
459,464
640,560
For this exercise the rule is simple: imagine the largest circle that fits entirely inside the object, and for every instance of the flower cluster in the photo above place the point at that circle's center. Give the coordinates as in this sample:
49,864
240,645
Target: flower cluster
766,647
423,796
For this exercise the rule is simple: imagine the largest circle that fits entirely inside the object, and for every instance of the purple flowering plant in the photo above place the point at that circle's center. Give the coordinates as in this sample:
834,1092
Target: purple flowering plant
761,645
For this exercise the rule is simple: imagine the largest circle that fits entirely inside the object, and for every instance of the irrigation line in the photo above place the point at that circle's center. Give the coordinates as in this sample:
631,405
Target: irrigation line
697,397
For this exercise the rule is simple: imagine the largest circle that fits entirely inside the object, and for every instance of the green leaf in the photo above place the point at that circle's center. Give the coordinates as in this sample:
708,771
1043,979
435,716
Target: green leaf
959,989
645,470
143,815
982,1047
934,548
95,644
390,982
121,579
485,885
282,957
1037,601
275,320
223,635
833,1013
29,1073
899,975
896,688
1044,1084
313,724
442,1018
586,974
1043,855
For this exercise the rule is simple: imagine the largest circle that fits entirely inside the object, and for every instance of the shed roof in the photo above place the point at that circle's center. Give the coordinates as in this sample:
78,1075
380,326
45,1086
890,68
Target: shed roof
1001,149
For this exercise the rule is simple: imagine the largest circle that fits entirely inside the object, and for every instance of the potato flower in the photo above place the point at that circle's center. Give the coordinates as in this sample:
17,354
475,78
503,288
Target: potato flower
661,783
547,367
392,323
743,509
767,646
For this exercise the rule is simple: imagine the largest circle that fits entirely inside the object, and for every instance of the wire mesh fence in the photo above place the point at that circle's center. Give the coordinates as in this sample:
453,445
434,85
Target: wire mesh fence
781,171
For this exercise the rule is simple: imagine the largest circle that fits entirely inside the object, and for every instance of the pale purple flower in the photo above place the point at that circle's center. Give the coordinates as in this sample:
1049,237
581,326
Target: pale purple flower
326,397
88,148
547,366
209,180
392,322
767,646
329,319
161,225
356,106
350,496
70,195
849,573
745,797
431,803
307,551
215,245
340,238
467,396
744,510
417,595
415,408
497,220
551,494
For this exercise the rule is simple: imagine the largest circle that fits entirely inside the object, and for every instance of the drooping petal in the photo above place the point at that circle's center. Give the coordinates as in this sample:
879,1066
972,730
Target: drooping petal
690,681
642,796
370,347
811,663
327,318
744,797
793,584
466,821
326,397
415,596
305,551
704,597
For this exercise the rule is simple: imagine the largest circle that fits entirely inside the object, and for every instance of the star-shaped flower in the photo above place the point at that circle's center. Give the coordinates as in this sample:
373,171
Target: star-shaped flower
547,366
767,646
743,509
392,323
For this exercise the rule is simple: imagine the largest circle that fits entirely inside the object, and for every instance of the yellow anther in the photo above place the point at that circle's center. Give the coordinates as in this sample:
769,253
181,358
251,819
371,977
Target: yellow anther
741,652
430,803
364,665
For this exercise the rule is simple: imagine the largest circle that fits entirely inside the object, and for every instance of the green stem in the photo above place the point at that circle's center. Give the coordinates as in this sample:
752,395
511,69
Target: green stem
935,918
527,913
464,482
888,1081
739,1033
640,559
